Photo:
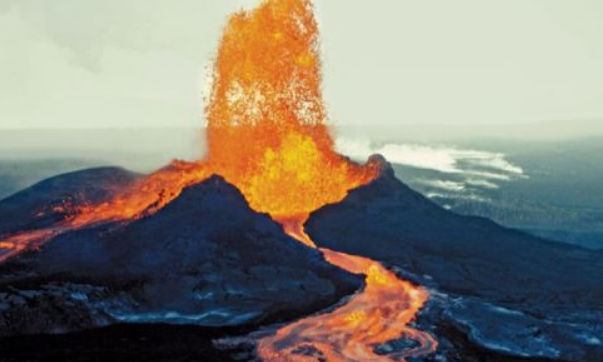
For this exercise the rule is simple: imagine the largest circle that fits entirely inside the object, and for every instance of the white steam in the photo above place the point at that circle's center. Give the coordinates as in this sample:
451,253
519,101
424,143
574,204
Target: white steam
469,167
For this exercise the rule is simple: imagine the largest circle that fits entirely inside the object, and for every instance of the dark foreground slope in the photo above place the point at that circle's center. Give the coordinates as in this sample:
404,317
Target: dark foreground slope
506,290
205,259
123,342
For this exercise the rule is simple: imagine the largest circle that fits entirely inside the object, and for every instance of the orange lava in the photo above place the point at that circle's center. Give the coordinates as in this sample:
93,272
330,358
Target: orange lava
267,88
267,128
145,197
379,314
267,135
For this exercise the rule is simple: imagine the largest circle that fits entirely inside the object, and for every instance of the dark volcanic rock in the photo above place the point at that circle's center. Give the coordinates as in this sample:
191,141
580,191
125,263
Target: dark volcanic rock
123,342
474,257
206,258
44,203
388,221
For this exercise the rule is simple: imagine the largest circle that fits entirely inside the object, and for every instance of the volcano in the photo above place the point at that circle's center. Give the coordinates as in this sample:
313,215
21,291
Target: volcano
273,231
208,259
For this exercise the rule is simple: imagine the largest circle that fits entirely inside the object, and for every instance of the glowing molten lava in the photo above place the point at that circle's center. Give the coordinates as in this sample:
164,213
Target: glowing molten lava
266,131
267,135
143,198
381,313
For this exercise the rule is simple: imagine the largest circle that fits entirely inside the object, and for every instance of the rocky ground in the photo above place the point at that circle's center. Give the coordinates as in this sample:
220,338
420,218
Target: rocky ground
122,342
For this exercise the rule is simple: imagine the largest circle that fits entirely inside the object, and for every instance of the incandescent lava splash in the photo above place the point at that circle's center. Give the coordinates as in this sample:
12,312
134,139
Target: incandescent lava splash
267,128
267,135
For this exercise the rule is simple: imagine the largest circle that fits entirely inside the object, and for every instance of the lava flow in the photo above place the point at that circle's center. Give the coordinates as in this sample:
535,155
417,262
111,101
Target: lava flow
143,198
267,135
351,333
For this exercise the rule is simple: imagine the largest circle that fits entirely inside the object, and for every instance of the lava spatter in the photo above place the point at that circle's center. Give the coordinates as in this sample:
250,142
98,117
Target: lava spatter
267,130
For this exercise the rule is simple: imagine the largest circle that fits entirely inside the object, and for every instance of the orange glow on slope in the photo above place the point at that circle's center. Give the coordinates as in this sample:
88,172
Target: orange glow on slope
145,197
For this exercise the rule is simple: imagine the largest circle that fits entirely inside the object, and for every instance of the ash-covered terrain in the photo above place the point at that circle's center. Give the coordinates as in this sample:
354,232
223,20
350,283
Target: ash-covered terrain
165,286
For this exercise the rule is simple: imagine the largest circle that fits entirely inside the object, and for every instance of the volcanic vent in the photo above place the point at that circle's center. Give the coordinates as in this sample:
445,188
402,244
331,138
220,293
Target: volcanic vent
268,137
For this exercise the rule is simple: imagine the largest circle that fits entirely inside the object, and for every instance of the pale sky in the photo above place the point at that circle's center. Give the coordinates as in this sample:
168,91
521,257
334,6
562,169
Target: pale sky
141,63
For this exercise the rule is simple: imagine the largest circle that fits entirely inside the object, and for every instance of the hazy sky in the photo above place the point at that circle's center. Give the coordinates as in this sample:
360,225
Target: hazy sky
132,63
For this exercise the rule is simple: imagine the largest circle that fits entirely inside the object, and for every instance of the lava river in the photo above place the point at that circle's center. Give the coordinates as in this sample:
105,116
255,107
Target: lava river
380,313
267,135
